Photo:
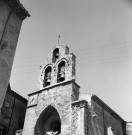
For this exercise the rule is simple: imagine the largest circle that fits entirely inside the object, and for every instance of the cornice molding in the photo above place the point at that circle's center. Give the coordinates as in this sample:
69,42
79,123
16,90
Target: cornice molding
18,9
55,85
80,103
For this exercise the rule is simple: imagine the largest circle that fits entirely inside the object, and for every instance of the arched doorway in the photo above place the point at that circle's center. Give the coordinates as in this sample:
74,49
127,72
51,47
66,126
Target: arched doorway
48,122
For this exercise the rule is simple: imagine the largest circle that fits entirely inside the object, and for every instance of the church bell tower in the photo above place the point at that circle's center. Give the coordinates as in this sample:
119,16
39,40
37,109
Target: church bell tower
50,108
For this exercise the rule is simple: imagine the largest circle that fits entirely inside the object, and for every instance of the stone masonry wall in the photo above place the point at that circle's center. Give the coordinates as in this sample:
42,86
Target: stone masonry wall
105,119
101,119
60,98
79,118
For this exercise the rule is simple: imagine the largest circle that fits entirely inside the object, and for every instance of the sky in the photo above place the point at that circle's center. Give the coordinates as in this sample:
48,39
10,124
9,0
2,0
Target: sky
98,32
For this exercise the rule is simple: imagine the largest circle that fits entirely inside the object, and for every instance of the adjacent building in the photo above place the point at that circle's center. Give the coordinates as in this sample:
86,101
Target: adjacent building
12,14
12,113
12,105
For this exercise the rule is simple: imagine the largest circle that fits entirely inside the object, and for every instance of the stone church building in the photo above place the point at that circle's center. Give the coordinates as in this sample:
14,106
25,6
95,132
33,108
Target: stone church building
58,108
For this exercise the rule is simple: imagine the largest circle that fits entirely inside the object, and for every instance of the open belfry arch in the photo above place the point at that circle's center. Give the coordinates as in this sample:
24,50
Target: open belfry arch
58,108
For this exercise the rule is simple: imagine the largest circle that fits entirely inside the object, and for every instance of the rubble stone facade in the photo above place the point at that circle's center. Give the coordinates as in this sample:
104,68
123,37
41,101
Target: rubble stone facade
58,108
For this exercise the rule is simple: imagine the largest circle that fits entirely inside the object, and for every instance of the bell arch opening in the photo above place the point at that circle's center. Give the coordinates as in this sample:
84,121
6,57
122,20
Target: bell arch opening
48,123
55,55
47,77
61,71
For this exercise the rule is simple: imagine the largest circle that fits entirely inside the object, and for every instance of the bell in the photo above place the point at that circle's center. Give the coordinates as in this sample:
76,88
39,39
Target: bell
57,55
48,80
62,75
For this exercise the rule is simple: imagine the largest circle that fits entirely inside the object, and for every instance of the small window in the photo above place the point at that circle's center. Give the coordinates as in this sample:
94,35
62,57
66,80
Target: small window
61,71
55,55
47,78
